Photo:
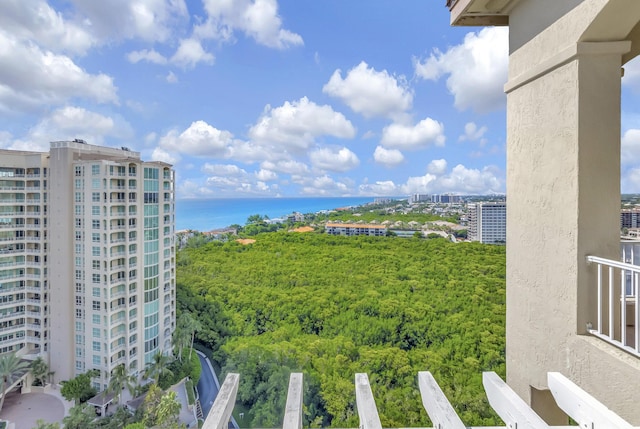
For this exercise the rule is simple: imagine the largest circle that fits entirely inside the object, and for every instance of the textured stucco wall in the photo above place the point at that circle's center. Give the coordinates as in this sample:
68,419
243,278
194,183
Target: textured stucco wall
563,189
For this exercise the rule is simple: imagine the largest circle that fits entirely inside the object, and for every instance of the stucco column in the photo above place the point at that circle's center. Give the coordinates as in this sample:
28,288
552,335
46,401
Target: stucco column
563,195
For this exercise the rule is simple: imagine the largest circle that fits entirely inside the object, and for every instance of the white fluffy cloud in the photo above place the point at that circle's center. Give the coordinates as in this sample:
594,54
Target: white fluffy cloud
190,53
286,167
200,139
477,69
460,180
437,167
630,147
162,155
228,170
295,125
370,92
31,78
326,186
266,175
71,122
632,74
382,188
630,183
257,19
388,157
150,20
35,20
148,55
340,160
425,133
473,133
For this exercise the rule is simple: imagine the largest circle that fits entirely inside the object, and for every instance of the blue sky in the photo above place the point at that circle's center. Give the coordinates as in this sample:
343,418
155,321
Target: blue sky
271,97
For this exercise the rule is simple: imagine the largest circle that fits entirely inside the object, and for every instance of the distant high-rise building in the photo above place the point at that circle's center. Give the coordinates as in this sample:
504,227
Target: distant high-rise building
488,222
446,198
629,218
419,198
87,257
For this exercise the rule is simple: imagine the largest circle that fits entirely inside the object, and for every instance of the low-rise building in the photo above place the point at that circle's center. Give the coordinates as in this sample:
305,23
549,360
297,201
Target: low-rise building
350,229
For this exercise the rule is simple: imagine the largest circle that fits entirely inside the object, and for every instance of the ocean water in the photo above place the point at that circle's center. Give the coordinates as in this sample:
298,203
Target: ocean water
205,215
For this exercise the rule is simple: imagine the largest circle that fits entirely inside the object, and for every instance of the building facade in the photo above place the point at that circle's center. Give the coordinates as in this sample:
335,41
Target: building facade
563,160
99,257
629,218
446,198
351,229
23,252
487,222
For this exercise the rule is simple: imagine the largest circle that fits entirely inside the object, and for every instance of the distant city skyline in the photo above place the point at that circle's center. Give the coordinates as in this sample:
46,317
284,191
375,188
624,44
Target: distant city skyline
266,98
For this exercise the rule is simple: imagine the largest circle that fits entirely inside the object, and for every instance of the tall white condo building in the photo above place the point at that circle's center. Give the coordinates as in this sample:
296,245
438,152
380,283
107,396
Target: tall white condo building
87,258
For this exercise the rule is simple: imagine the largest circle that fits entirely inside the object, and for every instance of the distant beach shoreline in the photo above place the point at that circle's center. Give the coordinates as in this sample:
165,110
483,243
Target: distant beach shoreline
207,215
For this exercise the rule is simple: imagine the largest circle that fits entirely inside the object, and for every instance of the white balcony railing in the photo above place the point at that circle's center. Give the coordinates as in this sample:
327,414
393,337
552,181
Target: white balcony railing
618,299
583,408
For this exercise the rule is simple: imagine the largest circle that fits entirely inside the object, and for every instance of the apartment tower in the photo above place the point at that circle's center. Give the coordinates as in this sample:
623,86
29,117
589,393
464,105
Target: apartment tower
488,222
92,233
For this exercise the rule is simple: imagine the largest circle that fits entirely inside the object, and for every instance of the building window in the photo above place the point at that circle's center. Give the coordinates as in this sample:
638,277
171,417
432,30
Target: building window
95,183
96,319
95,279
96,346
78,171
95,197
95,224
95,250
78,197
95,264
78,223
96,305
96,360
79,339
95,169
79,365
96,332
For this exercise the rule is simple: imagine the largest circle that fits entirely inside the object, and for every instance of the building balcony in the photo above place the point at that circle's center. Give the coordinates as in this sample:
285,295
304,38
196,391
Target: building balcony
12,327
617,319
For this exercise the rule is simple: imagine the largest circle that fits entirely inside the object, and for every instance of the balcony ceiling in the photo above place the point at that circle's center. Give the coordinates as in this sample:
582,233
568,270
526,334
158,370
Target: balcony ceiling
480,12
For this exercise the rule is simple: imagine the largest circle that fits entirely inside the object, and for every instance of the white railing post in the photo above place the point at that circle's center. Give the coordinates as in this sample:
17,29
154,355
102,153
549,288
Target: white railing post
600,298
509,406
440,411
582,407
220,413
623,307
293,409
367,410
636,293
611,303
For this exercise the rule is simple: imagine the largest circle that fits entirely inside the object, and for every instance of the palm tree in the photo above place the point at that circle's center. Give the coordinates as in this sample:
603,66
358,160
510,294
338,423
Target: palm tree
158,367
185,333
120,378
191,326
180,339
10,366
40,372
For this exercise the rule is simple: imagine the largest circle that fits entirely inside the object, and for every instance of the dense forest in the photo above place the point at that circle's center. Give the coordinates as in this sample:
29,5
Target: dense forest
332,306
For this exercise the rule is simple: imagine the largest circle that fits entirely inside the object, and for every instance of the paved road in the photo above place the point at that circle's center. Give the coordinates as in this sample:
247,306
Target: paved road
208,387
